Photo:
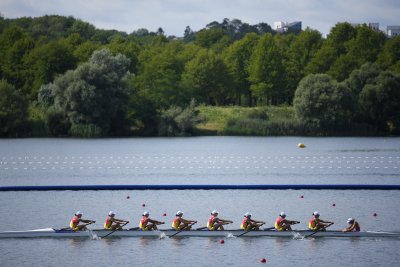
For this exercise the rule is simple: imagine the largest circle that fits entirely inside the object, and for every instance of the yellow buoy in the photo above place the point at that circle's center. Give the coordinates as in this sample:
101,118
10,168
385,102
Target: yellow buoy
301,145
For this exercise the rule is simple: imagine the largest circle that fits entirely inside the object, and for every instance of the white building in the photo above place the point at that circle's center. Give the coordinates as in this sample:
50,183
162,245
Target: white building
393,31
281,26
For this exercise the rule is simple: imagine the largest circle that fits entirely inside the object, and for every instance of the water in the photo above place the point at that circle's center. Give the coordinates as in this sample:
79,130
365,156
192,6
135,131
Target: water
206,160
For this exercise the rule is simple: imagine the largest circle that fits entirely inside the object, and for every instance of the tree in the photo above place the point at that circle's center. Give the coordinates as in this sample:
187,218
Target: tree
379,102
94,97
84,51
209,37
188,34
13,111
266,72
86,30
206,78
301,51
332,48
364,47
237,57
121,45
15,44
45,62
177,121
160,31
160,74
323,103
390,55
361,77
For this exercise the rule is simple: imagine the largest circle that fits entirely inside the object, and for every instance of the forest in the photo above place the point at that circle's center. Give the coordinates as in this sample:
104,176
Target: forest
63,77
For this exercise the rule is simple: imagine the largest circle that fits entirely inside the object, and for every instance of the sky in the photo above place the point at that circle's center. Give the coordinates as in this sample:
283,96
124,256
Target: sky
174,15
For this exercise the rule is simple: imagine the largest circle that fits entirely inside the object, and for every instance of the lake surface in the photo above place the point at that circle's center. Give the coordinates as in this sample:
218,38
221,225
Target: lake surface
202,160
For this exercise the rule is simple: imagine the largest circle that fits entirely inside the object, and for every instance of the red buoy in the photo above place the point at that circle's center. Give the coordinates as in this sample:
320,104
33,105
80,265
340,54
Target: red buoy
221,241
143,205
164,214
263,260
375,214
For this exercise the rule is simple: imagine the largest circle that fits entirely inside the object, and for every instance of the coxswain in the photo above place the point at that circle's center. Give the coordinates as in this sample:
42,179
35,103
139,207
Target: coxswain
147,224
74,223
353,226
316,224
282,224
250,224
113,223
182,224
215,223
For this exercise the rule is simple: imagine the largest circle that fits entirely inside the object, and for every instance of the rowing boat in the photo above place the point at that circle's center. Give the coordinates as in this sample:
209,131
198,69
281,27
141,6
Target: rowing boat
52,232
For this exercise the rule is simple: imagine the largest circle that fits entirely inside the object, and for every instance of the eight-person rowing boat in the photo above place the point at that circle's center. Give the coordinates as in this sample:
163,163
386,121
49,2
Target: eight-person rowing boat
249,227
52,232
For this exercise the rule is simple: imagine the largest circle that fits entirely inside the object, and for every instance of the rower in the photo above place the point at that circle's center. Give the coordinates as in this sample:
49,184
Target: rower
74,223
215,223
147,224
250,224
316,224
354,226
181,224
282,224
113,223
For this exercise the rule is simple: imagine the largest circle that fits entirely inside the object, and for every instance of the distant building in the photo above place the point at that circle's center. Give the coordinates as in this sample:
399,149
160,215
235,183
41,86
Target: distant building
282,27
393,31
372,25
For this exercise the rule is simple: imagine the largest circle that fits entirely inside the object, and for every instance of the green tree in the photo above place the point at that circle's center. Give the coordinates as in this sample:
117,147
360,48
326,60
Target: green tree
389,58
86,30
13,111
364,47
45,62
15,44
177,121
214,37
121,45
323,103
332,48
160,74
188,34
379,102
362,76
206,78
237,57
267,72
84,51
301,51
94,97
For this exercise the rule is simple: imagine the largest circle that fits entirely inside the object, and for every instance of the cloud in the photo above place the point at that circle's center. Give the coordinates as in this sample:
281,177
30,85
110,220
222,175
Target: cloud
174,15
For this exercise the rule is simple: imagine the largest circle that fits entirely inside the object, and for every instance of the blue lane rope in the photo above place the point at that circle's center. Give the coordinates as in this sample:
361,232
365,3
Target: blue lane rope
204,187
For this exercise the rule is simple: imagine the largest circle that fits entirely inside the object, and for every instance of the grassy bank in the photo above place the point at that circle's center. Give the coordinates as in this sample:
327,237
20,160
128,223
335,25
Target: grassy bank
260,121
268,121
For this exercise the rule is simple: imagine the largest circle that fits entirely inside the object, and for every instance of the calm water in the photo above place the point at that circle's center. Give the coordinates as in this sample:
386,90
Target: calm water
205,160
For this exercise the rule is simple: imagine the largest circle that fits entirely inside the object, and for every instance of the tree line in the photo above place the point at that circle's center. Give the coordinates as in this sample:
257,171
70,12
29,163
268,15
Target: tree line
61,76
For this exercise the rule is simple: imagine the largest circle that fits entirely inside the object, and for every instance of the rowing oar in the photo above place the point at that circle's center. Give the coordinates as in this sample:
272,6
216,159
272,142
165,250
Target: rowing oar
119,228
202,228
252,230
318,230
180,230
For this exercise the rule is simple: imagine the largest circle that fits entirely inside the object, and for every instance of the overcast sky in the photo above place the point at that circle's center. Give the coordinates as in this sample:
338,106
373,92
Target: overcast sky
174,15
